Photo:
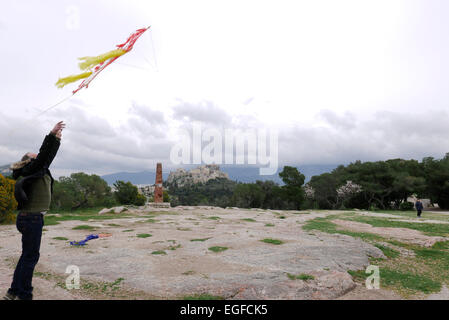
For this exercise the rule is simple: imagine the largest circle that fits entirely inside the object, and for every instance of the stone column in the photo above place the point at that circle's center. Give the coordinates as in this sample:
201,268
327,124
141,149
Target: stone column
158,190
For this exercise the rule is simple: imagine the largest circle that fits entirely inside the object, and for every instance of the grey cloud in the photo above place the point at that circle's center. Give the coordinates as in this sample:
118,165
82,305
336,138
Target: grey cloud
345,121
204,111
89,143
147,123
386,135
154,117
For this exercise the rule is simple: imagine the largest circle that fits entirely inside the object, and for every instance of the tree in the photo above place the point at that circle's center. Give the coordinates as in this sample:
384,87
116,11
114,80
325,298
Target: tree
248,195
273,198
383,184
126,193
215,192
347,191
292,191
81,190
324,187
436,174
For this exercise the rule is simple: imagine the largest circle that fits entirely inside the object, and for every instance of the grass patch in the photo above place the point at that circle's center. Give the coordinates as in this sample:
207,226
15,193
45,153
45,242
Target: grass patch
214,218
218,249
80,215
159,252
184,229
129,230
113,285
188,273
249,220
325,225
269,225
203,296
302,276
272,241
151,220
152,214
431,229
412,214
174,247
413,282
441,245
113,225
201,239
282,217
60,238
103,287
388,252
433,254
144,235
423,274
84,227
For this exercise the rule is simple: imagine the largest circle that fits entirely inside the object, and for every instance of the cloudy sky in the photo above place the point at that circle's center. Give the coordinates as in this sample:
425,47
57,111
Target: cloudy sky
338,80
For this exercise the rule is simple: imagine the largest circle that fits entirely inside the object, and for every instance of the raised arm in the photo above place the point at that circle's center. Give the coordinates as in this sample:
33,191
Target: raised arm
47,151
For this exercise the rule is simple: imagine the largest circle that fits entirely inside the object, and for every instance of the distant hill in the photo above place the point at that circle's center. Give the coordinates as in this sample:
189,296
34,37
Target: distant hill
236,173
143,177
4,170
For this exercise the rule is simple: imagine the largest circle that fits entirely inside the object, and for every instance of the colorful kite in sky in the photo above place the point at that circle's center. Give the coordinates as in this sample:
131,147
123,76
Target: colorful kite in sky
92,66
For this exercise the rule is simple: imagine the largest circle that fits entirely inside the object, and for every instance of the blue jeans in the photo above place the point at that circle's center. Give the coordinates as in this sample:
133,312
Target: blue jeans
30,226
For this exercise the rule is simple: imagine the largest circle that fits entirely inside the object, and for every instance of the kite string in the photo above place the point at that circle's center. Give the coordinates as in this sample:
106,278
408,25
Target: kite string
40,113
154,52
51,107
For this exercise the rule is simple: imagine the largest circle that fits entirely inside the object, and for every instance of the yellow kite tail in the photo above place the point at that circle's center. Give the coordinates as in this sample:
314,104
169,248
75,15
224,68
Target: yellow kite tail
89,62
64,81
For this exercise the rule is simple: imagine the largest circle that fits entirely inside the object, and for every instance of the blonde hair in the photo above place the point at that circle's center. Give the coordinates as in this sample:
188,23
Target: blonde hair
25,157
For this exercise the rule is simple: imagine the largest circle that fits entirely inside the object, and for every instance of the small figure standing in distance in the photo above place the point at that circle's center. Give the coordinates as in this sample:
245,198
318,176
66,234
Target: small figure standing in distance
33,191
419,207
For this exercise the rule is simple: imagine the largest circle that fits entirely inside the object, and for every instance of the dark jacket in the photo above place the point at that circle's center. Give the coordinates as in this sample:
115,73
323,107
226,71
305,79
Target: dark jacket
418,205
35,169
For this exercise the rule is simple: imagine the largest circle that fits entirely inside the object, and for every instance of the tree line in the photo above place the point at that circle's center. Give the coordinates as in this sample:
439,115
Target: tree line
363,185
227,193
80,191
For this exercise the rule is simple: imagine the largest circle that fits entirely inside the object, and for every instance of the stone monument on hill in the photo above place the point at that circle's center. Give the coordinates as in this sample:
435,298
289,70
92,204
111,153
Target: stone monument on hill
158,194
158,189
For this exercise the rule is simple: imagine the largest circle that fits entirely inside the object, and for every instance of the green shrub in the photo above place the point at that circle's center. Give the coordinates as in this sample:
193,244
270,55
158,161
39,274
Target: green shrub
127,193
406,206
165,196
7,201
140,200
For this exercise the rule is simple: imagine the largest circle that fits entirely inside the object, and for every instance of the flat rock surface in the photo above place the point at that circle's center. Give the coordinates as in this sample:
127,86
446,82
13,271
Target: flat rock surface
248,269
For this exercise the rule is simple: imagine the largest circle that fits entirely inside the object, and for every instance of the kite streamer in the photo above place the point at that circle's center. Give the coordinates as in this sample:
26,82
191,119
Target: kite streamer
94,65
63,81
92,61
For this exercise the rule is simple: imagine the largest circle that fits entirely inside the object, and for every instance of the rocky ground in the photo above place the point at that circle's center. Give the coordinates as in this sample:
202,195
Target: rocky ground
167,255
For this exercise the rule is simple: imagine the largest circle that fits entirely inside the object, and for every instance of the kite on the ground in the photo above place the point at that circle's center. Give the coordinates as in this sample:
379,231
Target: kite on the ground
89,237
92,66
